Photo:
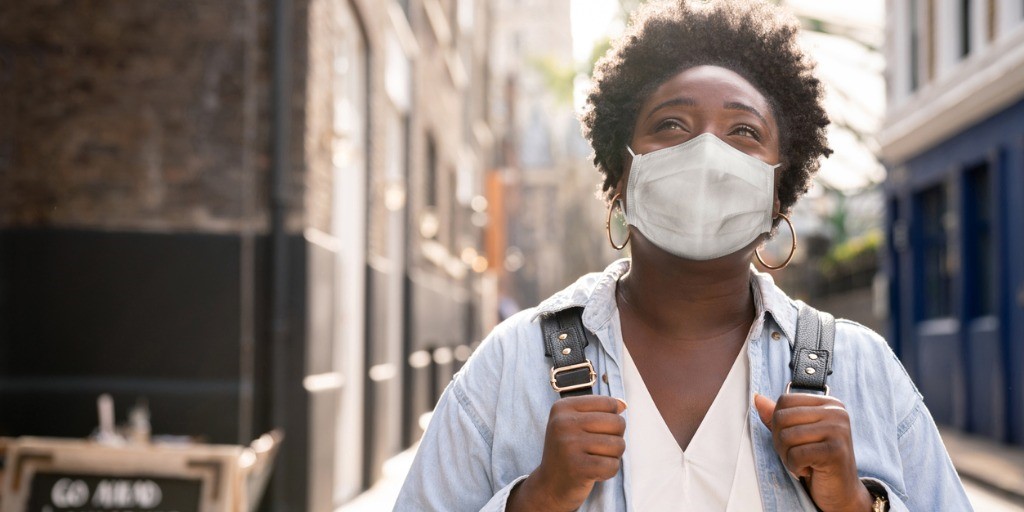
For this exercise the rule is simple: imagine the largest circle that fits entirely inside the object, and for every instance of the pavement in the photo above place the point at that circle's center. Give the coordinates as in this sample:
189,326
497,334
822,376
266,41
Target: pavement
384,493
994,466
993,475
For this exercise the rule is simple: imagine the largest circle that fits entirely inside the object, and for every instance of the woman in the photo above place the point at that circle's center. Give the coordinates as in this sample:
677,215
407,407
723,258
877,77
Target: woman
707,124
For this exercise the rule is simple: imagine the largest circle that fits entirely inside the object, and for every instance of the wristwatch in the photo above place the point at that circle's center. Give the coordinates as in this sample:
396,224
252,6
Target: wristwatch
879,494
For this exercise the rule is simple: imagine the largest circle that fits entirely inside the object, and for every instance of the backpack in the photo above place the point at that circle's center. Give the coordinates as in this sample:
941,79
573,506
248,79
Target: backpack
572,374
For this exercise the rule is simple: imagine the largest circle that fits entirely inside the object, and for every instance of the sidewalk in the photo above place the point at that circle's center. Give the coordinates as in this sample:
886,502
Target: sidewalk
990,465
996,466
382,496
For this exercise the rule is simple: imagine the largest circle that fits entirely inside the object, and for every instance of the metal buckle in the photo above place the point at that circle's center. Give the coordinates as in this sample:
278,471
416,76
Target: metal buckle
790,384
585,364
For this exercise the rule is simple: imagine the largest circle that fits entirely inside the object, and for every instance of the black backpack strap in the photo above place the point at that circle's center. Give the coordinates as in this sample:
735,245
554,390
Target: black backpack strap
812,351
565,339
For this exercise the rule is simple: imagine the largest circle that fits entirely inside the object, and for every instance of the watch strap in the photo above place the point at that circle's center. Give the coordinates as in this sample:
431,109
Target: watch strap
879,495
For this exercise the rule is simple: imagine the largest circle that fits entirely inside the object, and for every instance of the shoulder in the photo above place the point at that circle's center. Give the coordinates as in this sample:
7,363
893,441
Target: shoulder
871,360
523,328
862,359
867,345
852,339
516,346
583,290
503,344
860,339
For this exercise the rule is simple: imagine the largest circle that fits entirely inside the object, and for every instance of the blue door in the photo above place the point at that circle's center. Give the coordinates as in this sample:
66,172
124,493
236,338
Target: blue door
940,369
982,336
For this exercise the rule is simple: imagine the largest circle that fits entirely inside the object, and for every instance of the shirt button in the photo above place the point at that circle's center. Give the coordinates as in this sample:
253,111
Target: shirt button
604,378
776,335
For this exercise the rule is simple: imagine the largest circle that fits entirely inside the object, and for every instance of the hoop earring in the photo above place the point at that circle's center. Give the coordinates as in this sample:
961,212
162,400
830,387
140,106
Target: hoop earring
608,225
792,250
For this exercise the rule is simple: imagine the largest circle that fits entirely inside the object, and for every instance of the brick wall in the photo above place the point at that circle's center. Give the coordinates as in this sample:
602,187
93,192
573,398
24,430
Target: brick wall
141,116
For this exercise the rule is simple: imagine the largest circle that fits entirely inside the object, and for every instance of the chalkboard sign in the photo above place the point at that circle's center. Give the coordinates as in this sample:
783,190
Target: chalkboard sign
65,492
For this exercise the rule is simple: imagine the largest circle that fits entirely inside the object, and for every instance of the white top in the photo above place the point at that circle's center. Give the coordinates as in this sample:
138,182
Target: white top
716,472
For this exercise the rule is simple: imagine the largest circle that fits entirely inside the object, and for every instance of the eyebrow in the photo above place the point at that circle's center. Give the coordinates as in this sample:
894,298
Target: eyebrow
732,105
686,102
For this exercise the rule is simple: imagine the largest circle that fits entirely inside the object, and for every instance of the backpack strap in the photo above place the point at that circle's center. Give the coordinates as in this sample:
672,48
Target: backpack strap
565,339
812,351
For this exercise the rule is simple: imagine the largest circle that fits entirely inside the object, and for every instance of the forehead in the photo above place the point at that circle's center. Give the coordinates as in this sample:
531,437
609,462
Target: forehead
709,86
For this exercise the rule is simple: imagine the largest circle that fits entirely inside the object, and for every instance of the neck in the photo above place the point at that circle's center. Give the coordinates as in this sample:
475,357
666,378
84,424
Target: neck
688,300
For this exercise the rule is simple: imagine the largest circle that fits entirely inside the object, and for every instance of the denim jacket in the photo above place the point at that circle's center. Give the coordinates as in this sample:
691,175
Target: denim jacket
487,431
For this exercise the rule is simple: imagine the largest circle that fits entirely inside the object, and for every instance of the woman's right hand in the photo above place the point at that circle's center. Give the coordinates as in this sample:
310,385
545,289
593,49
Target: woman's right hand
583,444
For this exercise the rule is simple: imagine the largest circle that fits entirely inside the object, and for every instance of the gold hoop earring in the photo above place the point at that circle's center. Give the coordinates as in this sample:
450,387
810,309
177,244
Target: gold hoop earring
792,250
608,224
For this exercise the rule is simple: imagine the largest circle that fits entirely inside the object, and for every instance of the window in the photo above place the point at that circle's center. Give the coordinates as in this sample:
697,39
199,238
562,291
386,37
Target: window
915,45
430,180
965,27
455,214
351,101
932,254
930,30
979,264
990,20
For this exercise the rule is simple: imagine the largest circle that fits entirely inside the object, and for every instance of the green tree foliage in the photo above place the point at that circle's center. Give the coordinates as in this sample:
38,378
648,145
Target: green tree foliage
558,77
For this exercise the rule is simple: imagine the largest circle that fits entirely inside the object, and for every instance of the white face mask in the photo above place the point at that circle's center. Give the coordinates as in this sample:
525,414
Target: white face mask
701,199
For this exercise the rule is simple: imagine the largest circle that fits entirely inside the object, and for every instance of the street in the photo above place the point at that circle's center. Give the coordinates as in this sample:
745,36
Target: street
988,501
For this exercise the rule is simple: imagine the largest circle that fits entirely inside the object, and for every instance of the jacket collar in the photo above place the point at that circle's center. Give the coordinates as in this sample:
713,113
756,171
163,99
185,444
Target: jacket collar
774,302
596,294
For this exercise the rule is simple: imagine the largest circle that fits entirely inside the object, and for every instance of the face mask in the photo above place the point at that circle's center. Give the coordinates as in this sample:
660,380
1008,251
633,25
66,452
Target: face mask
701,199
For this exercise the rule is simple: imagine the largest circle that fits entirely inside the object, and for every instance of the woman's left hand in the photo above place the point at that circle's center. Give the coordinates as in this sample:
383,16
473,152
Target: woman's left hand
812,435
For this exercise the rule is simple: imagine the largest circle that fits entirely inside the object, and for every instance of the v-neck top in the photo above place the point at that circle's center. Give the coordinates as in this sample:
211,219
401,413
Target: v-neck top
715,472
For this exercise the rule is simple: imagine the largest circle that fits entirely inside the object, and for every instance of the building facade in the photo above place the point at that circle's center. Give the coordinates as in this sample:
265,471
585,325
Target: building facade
953,142
248,213
554,223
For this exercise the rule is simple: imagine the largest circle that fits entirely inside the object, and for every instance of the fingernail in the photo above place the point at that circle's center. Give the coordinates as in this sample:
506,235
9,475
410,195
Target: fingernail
624,406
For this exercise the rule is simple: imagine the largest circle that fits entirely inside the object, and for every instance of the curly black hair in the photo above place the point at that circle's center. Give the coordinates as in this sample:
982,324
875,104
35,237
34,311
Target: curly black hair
755,39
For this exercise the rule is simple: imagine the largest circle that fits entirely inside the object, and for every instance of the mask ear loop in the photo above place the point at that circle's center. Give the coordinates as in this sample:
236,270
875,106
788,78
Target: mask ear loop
608,224
617,199
792,250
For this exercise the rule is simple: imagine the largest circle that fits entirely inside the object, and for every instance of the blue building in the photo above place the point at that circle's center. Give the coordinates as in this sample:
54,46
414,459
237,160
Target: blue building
953,141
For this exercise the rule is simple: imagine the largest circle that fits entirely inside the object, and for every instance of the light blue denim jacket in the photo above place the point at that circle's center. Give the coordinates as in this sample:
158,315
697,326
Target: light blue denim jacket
487,432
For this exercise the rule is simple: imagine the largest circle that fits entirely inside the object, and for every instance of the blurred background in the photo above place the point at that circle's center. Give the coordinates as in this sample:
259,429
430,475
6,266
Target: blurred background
305,214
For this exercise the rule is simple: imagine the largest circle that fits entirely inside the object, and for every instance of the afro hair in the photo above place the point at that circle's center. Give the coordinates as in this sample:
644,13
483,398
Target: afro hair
755,39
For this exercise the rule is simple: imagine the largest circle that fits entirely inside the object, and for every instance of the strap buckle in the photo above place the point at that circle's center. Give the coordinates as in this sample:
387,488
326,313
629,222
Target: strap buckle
585,364
790,384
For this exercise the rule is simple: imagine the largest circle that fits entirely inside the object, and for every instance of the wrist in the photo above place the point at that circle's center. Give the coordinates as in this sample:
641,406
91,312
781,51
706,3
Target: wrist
866,501
861,501
529,495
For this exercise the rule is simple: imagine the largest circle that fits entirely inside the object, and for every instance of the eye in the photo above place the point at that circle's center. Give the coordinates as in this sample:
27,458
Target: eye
746,131
670,124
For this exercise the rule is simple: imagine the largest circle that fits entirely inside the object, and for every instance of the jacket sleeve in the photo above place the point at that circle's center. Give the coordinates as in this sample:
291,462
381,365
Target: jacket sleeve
451,470
454,470
930,481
